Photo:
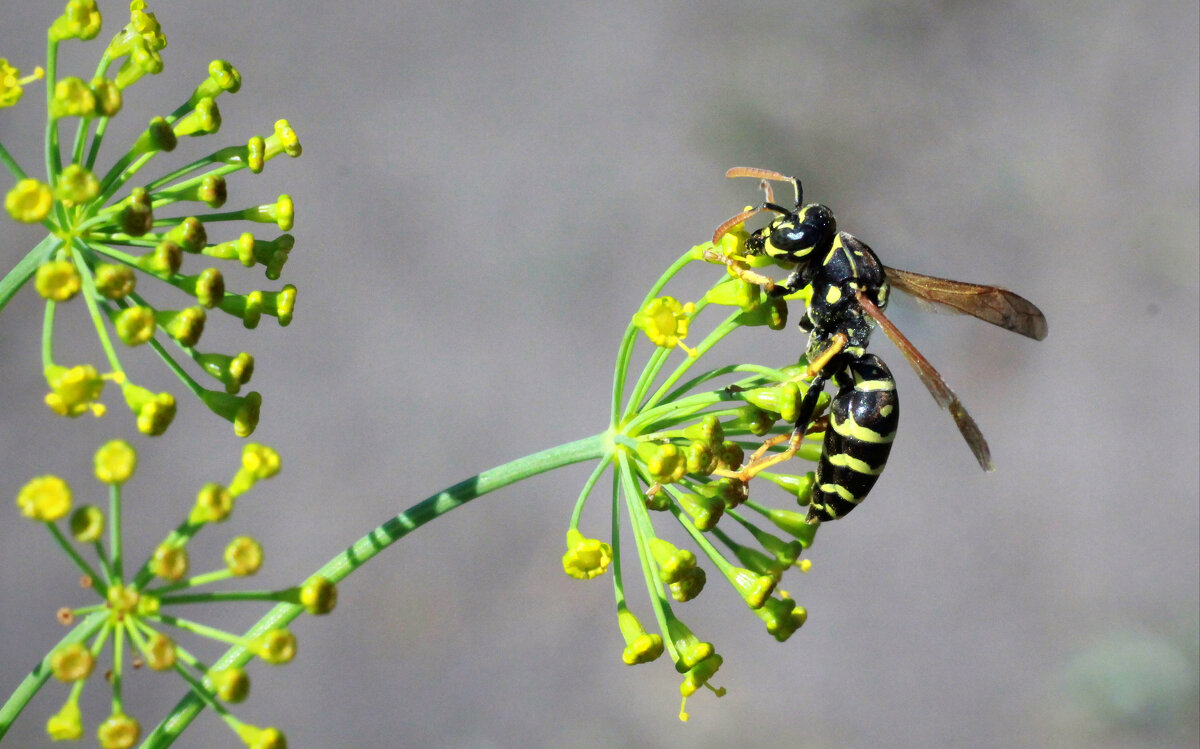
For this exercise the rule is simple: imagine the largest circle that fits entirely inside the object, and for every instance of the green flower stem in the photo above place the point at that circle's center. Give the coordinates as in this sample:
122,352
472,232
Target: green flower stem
186,656
53,157
97,139
8,161
618,578
199,689
80,139
203,630
626,350
176,538
79,561
644,381
640,525
101,240
118,666
48,334
24,270
120,172
184,377
194,581
212,158
89,296
763,376
709,550
117,563
30,685
725,328
101,125
291,595
338,568
687,406
601,466
105,562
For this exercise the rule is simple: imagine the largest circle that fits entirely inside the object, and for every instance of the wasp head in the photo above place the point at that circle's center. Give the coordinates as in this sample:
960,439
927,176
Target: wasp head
792,238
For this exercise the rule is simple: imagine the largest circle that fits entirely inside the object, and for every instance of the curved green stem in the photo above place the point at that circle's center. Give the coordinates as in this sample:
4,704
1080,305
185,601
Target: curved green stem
41,672
626,349
362,550
24,270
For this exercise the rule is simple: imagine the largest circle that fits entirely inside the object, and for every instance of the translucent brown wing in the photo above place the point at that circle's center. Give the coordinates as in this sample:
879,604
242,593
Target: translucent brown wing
988,303
937,387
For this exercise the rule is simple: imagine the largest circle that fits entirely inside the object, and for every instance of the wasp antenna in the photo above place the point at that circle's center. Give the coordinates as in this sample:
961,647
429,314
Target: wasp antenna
767,174
724,228
756,173
768,191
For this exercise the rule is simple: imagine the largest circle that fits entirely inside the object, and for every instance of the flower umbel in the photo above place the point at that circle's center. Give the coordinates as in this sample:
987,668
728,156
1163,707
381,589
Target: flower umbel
110,228
678,439
139,612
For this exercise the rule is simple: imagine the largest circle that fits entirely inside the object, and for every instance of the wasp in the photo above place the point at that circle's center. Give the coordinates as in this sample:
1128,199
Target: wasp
848,290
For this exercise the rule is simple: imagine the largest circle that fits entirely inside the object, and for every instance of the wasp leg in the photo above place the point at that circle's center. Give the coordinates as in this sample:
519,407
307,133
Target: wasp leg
741,271
759,462
833,349
819,371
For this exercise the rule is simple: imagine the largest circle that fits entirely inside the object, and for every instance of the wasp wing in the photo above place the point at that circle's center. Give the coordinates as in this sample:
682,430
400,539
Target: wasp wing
937,387
988,303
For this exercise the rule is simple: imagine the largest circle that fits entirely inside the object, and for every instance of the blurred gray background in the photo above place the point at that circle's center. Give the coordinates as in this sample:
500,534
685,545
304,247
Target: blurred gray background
486,192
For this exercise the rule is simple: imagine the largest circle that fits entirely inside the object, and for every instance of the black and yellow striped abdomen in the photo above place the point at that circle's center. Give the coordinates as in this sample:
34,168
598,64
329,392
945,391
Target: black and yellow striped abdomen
863,416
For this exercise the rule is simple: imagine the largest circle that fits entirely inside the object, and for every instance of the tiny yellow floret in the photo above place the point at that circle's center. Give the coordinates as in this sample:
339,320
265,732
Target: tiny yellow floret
275,646
11,83
74,390
586,558
45,498
160,652
243,556
135,325
318,595
115,462
57,280
261,738
80,20
230,684
118,731
67,723
665,322
76,185
213,504
72,662
29,201
87,524
169,562
72,98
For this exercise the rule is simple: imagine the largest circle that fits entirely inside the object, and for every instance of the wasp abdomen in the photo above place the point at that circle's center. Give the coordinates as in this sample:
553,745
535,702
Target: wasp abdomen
862,424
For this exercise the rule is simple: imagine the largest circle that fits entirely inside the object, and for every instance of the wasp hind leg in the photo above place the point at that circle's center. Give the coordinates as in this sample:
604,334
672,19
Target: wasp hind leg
818,369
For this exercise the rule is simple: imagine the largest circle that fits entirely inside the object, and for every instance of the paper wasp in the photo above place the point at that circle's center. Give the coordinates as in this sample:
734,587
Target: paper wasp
849,291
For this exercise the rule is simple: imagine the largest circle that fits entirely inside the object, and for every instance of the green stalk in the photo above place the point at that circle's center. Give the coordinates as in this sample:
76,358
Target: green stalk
41,672
365,548
24,270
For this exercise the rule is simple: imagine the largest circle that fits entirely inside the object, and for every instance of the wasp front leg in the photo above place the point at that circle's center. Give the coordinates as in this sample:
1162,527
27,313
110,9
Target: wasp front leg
819,370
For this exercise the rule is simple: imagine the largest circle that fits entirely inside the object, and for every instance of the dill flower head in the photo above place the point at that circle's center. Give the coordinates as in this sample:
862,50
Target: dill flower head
680,436
143,611
110,226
